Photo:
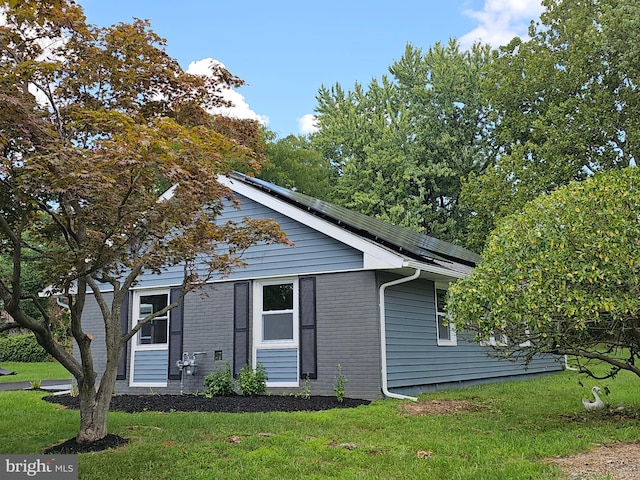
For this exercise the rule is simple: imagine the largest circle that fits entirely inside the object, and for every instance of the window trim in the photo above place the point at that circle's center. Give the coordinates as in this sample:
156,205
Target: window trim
452,341
138,347
257,320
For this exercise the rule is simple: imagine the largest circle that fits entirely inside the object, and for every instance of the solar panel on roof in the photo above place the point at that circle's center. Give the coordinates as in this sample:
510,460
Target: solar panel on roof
387,234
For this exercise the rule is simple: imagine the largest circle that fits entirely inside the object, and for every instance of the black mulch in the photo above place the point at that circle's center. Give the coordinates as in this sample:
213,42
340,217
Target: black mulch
193,403
226,404
71,447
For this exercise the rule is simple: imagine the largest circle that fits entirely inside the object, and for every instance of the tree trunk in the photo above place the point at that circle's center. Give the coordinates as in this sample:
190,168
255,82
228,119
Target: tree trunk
94,405
93,417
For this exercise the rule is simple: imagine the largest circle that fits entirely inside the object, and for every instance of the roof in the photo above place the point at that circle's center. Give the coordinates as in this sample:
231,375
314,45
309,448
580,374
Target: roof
402,240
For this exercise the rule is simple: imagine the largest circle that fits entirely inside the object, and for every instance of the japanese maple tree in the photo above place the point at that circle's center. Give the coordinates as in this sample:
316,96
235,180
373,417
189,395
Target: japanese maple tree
95,124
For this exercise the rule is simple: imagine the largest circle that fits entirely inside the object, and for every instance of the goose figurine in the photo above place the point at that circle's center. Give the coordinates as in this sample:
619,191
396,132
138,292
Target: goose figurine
597,404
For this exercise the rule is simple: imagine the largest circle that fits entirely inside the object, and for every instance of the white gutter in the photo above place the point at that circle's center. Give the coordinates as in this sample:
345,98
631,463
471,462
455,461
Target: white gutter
566,365
383,337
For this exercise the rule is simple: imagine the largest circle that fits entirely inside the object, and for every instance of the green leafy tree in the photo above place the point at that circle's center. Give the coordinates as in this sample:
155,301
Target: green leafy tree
562,276
401,146
565,104
111,119
293,163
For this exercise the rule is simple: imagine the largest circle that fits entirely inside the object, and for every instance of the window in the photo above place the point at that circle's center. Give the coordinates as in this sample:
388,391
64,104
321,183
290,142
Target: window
277,312
494,341
276,330
155,331
150,348
446,332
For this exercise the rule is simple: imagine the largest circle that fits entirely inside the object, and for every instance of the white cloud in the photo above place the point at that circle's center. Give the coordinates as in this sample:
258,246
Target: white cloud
501,20
240,108
307,124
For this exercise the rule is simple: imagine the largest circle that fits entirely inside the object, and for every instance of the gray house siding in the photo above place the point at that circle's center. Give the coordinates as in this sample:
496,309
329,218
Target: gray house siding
347,335
151,366
415,360
280,362
313,251
93,325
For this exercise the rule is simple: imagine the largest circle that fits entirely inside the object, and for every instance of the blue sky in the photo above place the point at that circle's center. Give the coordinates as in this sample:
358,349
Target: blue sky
285,50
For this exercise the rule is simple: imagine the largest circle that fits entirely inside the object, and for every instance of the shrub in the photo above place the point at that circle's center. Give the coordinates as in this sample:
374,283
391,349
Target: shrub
22,348
253,382
220,381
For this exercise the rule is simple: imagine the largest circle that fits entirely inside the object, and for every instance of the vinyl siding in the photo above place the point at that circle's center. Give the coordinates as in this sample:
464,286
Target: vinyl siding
150,366
313,251
414,358
281,364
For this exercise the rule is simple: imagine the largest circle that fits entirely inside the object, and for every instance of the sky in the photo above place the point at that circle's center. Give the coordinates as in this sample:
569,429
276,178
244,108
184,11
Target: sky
286,50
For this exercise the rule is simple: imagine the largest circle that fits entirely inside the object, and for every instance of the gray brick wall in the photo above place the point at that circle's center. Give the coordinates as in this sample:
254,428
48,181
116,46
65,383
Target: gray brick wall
348,333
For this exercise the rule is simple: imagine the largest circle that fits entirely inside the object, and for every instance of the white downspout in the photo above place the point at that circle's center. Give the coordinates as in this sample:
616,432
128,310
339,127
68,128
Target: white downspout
566,365
383,337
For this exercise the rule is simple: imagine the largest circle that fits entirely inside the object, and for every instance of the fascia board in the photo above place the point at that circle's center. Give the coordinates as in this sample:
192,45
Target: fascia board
374,256
435,269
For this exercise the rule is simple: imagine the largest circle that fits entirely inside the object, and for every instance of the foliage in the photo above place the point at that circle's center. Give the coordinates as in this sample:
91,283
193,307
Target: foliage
253,381
21,348
306,388
112,121
32,283
563,276
220,381
564,104
339,386
293,163
401,146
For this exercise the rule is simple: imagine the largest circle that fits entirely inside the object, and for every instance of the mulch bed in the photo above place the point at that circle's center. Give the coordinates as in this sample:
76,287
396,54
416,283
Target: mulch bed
224,404
193,403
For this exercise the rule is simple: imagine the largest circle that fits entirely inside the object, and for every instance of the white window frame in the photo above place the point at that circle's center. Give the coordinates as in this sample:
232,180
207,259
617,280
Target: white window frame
259,343
136,346
493,341
452,341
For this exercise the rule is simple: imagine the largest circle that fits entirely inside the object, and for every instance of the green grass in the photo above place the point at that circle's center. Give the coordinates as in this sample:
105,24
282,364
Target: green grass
516,426
27,372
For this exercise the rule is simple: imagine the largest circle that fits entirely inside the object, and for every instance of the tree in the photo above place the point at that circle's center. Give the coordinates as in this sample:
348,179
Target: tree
401,147
562,276
565,104
293,163
94,124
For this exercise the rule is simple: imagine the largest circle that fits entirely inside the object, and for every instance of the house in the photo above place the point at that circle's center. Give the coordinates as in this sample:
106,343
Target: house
354,291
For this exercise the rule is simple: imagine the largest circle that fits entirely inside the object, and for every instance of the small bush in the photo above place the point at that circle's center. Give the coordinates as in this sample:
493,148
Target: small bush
22,348
220,382
253,382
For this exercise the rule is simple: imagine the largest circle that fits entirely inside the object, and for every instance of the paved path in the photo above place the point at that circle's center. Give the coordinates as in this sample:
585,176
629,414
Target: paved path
50,385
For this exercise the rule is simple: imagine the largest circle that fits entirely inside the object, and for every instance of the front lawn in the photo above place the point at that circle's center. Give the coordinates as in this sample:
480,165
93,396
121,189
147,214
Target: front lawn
28,372
497,431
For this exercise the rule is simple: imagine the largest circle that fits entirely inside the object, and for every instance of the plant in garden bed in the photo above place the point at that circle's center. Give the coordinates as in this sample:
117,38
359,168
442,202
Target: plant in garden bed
339,387
253,381
220,382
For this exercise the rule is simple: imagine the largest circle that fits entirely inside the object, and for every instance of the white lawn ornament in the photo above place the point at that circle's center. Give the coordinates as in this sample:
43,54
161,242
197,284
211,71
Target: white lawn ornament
597,404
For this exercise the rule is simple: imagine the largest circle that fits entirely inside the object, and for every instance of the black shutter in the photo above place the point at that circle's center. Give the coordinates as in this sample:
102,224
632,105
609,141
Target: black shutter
308,345
240,326
175,334
124,324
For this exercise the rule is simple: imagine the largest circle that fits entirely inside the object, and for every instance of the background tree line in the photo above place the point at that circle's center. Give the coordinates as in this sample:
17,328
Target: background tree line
451,141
